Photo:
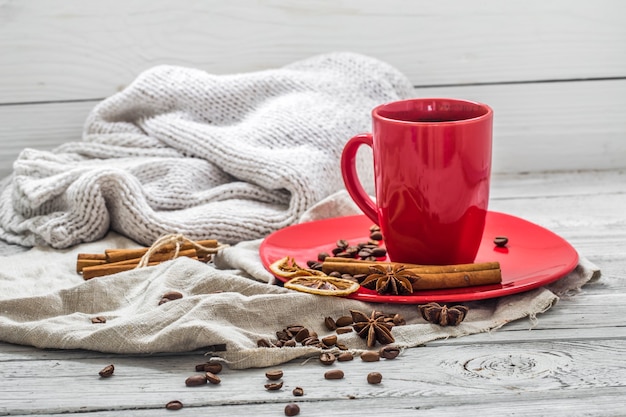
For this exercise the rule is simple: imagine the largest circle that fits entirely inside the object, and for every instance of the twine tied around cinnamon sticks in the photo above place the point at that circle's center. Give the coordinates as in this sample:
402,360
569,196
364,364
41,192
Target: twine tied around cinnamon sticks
165,248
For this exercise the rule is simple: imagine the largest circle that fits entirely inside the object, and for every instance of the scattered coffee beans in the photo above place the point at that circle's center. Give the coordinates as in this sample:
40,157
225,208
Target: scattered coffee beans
370,356
343,330
374,378
174,405
274,375
345,356
327,358
334,374
501,241
329,340
212,378
274,386
107,371
344,321
330,324
298,392
292,410
213,367
196,380
262,343
389,352
172,295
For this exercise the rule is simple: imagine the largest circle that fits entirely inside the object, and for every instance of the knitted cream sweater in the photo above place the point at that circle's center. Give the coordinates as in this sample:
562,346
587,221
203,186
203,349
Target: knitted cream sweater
228,157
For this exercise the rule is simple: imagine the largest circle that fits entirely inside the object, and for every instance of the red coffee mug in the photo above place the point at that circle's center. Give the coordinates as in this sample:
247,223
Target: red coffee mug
432,168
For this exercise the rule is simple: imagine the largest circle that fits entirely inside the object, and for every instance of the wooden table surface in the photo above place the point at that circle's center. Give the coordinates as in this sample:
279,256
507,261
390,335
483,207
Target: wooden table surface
571,362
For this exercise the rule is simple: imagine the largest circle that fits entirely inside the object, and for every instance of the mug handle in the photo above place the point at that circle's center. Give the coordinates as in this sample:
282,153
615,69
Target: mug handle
351,178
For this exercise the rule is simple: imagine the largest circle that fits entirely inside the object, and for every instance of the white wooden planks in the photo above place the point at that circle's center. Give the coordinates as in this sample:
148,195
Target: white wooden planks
538,126
75,49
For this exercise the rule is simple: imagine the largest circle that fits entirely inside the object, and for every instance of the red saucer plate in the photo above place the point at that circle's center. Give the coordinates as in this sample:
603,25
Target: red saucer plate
533,257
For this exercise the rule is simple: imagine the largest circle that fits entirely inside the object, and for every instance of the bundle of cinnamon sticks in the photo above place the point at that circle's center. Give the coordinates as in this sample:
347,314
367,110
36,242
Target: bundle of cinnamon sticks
431,277
92,265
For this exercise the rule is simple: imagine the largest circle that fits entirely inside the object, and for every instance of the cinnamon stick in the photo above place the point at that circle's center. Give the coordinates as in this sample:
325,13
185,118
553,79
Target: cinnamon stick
429,276
357,266
457,279
116,255
109,268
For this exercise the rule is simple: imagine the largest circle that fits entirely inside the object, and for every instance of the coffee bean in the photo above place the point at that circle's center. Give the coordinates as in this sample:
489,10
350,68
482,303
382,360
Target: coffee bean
341,346
342,243
344,321
289,343
376,236
501,241
314,265
374,378
302,334
212,378
298,392
345,356
213,367
98,320
274,386
330,323
294,328
352,251
370,356
262,343
337,250
174,405
322,255
172,295
343,330
196,380
389,352
329,340
292,410
282,335
334,374
379,252
364,253
274,375
107,371
335,274
327,358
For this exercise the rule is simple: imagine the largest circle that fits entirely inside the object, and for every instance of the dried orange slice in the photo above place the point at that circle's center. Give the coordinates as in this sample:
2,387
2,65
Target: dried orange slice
288,268
322,285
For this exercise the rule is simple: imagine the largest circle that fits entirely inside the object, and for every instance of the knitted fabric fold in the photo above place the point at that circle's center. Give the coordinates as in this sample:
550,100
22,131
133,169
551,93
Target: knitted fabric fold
230,157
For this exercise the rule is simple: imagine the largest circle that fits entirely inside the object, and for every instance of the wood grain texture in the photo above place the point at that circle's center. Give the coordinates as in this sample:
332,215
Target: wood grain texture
78,50
568,363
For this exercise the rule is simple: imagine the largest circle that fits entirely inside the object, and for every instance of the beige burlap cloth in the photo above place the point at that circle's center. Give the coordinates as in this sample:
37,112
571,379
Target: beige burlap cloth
45,303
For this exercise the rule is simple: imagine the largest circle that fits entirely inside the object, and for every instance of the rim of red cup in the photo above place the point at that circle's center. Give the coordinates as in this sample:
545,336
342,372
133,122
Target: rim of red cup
486,111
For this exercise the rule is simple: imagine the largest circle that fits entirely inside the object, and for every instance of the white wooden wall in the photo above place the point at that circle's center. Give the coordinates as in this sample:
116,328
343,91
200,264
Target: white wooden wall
554,71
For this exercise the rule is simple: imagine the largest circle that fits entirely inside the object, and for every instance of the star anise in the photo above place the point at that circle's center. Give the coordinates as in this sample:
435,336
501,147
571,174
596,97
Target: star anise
442,314
374,328
390,279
